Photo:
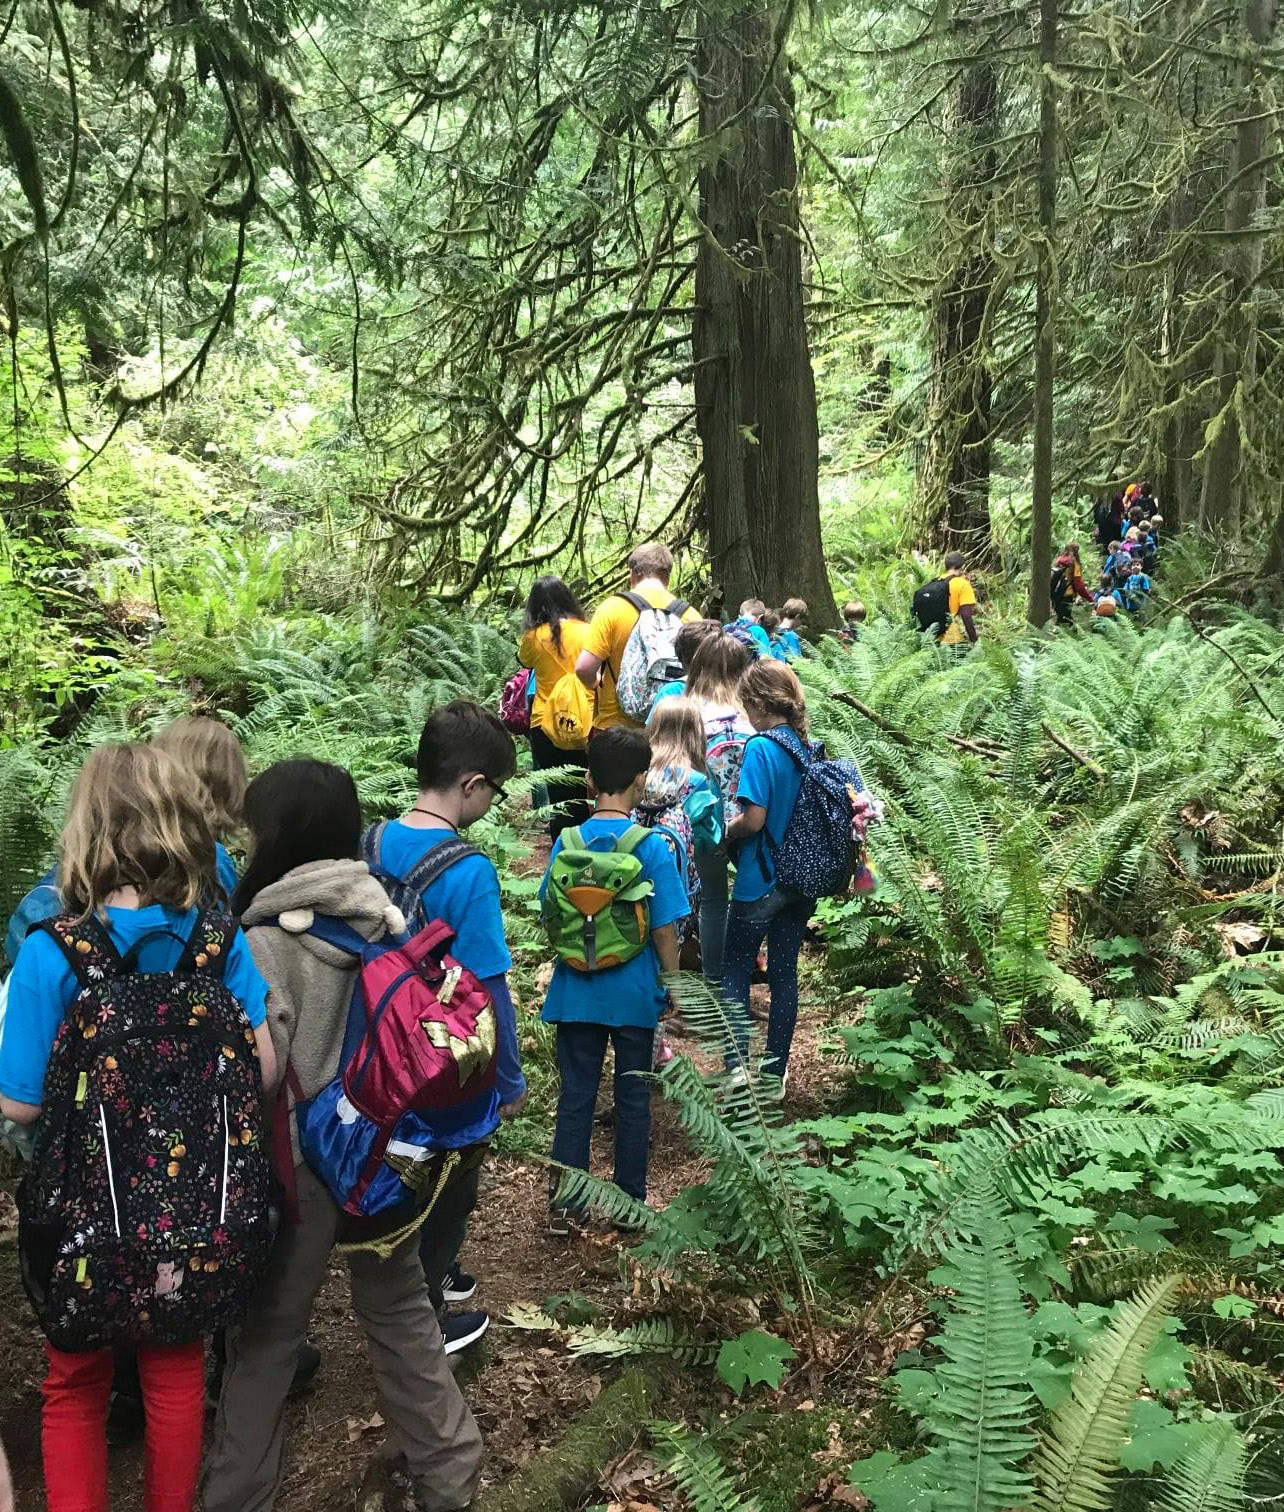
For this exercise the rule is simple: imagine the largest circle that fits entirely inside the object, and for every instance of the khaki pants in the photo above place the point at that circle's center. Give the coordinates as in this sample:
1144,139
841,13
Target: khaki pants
428,1420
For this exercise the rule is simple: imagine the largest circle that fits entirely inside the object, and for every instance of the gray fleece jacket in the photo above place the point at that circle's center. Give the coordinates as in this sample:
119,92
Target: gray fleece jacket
310,982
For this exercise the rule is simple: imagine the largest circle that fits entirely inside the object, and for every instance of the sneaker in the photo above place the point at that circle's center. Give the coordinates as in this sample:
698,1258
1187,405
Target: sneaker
459,1330
775,1090
737,1077
458,1286
125,1419
559,1222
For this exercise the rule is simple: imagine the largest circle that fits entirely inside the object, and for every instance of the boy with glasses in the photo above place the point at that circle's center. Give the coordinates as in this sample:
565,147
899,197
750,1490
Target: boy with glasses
465,757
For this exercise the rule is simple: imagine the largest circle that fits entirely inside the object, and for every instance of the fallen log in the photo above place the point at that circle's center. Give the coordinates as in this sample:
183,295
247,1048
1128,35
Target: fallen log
563,1474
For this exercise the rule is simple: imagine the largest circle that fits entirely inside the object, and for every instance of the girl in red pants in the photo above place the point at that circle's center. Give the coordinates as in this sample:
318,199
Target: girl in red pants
136,855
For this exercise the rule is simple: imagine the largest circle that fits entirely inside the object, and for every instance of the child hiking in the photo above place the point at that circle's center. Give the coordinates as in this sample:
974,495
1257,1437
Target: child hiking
465,756
612,895
714,688
166,1044
553,634
769,784
304,875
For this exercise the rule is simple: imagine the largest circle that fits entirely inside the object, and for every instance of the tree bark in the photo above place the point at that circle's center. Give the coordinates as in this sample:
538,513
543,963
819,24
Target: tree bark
1045,345
1221,500
754,388
955,482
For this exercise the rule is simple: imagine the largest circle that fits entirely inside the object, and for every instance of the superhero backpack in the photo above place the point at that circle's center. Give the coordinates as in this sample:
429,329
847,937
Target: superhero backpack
416,1076
930,605
144,1218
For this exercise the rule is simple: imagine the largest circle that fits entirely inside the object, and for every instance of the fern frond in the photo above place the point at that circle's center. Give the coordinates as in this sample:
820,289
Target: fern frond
1078,1454
1209,1476
697,1467
651,1336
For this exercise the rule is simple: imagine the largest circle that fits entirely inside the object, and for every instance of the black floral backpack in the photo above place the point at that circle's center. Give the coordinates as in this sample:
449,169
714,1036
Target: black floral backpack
145,1215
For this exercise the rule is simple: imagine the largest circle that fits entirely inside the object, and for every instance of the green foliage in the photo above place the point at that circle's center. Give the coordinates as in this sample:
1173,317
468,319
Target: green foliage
1079,1453
696,1466
753,1359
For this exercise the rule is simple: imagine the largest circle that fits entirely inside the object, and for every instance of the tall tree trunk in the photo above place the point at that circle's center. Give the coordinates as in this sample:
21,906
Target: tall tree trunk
955,482
1045,341
755,393
1221,502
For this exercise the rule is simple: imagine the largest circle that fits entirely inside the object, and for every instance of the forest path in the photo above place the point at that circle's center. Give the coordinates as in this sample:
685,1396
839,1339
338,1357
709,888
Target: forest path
522,1387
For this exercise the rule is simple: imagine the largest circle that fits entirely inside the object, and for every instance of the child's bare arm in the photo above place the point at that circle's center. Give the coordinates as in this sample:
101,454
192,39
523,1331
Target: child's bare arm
666,947
267,1056
748,822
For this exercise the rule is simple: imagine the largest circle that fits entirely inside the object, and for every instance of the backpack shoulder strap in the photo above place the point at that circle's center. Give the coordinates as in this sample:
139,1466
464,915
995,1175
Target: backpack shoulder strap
636,599
212,936
84,943
783,743
438,860
372,843
573,839
678,607
627,843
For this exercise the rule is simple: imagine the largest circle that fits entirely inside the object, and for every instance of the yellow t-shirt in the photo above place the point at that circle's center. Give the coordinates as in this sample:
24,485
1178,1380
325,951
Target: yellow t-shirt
961,592
607,637
550,665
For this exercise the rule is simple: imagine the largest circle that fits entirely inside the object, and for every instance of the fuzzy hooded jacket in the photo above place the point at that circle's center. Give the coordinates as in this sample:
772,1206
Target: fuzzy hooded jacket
310,982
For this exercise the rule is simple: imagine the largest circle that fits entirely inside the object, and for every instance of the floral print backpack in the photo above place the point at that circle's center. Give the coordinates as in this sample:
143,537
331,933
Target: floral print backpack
145,1215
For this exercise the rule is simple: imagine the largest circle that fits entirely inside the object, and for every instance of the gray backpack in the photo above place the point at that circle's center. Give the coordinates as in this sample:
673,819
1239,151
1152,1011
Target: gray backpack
649,659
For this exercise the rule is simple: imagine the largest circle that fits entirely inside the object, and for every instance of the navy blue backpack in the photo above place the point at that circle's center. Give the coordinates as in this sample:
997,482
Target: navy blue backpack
817,855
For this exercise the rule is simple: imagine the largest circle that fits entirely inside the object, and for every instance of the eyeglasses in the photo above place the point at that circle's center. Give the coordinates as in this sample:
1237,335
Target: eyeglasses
498,788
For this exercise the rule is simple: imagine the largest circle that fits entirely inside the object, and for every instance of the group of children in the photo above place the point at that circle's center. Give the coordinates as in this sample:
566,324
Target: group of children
1128,530
146,888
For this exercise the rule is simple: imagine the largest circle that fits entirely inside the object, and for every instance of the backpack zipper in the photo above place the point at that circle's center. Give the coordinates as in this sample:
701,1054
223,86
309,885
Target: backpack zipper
227,1135
111,1177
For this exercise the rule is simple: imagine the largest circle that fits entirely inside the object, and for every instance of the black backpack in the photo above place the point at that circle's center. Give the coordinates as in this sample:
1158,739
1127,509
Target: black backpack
408,892
930,605
145,1217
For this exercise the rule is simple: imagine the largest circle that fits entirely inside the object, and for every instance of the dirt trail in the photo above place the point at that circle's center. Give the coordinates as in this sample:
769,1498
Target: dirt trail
522,1391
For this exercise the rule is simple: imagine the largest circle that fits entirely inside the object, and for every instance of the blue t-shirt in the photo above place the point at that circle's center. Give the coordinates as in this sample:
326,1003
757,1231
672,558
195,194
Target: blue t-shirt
670,690
789,643
45,902
465,896
42,987
755,632
769,778
628,996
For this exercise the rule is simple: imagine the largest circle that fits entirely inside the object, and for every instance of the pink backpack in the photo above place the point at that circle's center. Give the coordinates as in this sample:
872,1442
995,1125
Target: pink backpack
515,702
416,1076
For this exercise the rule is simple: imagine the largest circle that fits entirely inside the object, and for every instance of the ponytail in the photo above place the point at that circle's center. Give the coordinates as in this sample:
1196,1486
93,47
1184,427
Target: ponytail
774,688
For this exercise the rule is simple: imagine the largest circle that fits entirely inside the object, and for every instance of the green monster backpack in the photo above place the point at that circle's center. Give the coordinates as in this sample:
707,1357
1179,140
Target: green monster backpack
597,905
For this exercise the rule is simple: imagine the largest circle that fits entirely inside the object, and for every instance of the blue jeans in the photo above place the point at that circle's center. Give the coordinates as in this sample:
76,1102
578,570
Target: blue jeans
581,1049
781,919
712,867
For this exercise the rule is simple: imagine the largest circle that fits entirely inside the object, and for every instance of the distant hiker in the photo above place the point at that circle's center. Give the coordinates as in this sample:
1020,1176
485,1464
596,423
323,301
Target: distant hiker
769,624
553,635
629,653
947,605
853,619
746,624
1149,545
793,614
1107,600
1068,583
1107,519
1135,589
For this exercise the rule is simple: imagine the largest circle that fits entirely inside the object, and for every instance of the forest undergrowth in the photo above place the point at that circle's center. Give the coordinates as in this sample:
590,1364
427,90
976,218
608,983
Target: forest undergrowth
1015,1242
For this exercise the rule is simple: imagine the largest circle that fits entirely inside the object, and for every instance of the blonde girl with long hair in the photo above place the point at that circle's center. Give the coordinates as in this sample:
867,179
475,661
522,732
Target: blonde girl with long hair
769,783
678,774
714,685
137,855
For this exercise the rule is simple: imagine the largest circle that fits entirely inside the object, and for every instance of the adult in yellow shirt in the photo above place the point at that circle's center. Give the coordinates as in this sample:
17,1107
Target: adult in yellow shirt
650,568
962,603
553,634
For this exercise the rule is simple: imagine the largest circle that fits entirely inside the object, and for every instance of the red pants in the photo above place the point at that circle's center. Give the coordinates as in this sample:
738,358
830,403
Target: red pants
75,1426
